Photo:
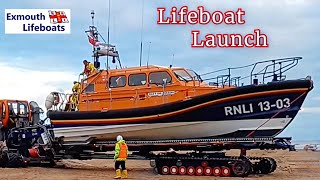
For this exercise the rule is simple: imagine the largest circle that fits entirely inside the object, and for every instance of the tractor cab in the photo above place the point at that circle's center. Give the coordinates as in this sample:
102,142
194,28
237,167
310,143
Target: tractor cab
14,113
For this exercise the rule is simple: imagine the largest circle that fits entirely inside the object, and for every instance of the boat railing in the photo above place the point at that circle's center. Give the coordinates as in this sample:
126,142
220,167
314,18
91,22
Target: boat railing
260,73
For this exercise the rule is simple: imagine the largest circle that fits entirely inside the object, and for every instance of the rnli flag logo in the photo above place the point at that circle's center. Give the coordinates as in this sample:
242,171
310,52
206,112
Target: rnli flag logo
58,17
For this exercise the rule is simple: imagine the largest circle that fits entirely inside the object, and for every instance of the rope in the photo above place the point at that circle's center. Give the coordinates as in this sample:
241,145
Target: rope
281,110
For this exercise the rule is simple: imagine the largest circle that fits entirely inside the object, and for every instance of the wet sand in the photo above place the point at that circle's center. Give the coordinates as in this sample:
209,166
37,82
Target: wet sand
291,165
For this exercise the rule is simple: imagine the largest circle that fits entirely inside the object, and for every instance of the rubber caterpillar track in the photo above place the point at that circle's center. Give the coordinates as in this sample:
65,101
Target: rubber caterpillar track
224,166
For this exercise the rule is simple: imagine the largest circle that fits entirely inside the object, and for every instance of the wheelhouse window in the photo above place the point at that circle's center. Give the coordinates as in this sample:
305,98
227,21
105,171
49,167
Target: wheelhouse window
117,81
186,75
137,79
159,78
194,75
90,88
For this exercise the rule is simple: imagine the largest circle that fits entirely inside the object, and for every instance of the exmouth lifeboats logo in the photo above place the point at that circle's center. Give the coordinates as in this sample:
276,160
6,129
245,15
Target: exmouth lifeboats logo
37,21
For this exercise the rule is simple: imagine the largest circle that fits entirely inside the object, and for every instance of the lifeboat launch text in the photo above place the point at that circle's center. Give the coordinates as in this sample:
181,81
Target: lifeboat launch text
182,16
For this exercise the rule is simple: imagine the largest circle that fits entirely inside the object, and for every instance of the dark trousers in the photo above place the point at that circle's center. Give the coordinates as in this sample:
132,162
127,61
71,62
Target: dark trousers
120,163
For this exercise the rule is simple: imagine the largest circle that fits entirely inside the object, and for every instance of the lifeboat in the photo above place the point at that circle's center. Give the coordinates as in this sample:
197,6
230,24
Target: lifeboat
146,103
157,103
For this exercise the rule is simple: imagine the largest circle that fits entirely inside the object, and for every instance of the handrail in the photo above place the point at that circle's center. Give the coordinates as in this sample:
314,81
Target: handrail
61,106
273,68
283,60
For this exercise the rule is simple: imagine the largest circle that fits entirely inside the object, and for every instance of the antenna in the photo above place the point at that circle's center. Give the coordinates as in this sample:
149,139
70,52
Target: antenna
141,32
108,39
172,60
94,33
114,27
102,48
92,17
148,54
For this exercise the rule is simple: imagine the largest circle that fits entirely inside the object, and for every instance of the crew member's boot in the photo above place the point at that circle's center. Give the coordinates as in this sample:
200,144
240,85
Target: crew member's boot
124,174
118,174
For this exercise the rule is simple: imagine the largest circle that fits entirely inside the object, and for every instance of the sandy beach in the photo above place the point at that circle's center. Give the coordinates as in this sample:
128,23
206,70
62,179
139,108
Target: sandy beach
291,165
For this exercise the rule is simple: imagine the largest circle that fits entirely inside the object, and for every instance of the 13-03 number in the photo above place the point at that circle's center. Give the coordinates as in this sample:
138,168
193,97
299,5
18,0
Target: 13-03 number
280,103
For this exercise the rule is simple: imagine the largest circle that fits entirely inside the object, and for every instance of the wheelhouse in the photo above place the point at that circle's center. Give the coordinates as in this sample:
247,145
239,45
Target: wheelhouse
140,87
133,78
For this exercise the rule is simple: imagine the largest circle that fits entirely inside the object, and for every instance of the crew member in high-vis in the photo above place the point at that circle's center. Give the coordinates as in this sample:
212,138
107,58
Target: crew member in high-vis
120,157
76,87
88,68
74,97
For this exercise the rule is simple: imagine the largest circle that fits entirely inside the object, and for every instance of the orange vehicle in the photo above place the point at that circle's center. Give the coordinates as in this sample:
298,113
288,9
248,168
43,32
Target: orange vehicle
17,113
156,102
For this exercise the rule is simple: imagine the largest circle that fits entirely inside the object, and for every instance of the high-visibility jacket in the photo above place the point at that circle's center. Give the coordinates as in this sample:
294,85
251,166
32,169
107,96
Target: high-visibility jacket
73,98
89,69
76,88
121,151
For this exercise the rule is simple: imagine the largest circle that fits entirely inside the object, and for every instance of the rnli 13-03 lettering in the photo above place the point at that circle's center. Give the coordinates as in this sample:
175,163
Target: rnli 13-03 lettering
262,106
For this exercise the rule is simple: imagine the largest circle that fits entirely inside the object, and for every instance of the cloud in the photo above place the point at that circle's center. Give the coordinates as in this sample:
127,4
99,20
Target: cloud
121,18
317,98
32,85
310,110
291,31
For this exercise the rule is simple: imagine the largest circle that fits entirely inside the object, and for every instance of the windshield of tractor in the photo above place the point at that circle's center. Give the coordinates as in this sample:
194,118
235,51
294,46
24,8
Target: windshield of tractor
18,108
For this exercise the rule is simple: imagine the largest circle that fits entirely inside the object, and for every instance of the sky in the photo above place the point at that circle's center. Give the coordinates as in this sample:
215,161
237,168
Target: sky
32,66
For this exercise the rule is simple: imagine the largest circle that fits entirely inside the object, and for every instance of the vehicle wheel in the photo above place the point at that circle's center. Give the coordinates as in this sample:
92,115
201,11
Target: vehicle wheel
182,170
207,171
191,170
239,169
199,171
204,163
226,171
216,171
165,170
273,165
264,166
173,170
